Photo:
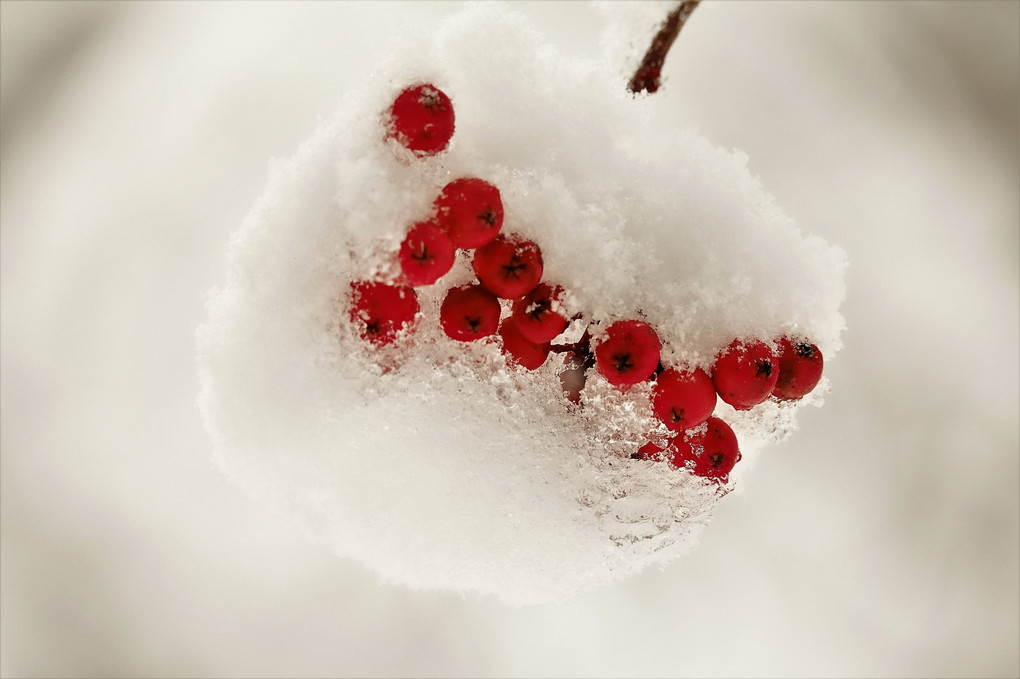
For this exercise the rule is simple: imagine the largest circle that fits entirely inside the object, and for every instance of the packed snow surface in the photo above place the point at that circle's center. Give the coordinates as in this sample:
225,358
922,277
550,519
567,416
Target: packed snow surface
431,460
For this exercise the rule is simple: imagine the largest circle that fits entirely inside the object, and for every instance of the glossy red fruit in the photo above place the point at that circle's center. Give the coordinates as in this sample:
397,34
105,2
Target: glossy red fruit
800,369
422,120
683,399
539,315
426,254
650,451
471,211
714,451
509,266
520,350
469,312
380,311
745,374
684,451
628,353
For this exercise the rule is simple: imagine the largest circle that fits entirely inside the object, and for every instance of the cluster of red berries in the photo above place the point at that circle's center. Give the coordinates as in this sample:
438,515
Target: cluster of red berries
468,215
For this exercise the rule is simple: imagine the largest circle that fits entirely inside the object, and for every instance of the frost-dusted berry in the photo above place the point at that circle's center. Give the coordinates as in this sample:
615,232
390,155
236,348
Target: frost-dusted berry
426,254
422,120
714,451
651,451
539,315
471,211
628,353
745,374
800,368
380,311
520,350
469,312
683,399
509,266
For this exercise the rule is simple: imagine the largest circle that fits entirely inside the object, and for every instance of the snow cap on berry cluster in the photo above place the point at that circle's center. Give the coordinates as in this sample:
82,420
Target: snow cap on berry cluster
434,461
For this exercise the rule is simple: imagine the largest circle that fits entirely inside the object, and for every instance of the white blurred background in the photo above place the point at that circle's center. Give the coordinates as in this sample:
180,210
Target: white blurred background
883,539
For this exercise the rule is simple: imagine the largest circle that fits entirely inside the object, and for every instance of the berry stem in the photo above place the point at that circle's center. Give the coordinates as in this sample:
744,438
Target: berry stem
647,76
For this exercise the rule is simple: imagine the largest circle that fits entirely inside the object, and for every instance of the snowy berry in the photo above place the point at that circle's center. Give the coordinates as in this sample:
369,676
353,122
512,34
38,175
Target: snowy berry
422,119
628,353
426,254
651,451
519,349
800,368
715,450
380,310
509,266
745,374
538,314
471,211
682,400
469,312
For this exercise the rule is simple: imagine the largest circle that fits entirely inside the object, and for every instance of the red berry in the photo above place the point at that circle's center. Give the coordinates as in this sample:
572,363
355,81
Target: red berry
745,374
422,119
539,315
650,451
683,399
426,254
715,451
684,451
800,369
519,349
471,211
380,311
469,312
509,266
628,353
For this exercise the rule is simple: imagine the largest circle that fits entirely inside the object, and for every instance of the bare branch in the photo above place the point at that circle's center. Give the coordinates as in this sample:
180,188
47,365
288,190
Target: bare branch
647,77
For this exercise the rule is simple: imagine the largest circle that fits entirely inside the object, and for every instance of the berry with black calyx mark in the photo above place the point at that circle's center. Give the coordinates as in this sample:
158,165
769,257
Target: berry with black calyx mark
800,366
426,254
745,374
540,315
471,211
381,311
627,353
509,266
714,451
422,120
469,313
683,399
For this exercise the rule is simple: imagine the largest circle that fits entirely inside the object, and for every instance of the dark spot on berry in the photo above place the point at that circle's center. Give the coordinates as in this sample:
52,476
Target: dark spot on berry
763,368
513,268
429,98
421,256
623,362
538,309
717,459
489,217
473,322
372,327
678,415
805,351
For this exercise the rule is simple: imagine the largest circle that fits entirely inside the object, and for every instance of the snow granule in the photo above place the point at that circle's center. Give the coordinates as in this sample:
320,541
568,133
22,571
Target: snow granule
431,460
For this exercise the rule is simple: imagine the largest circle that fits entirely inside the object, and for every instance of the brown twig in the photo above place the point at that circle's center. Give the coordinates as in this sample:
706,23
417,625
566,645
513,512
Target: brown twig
648,74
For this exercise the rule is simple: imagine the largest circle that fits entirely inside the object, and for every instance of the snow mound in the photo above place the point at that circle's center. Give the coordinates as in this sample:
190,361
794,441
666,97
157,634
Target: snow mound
431,460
